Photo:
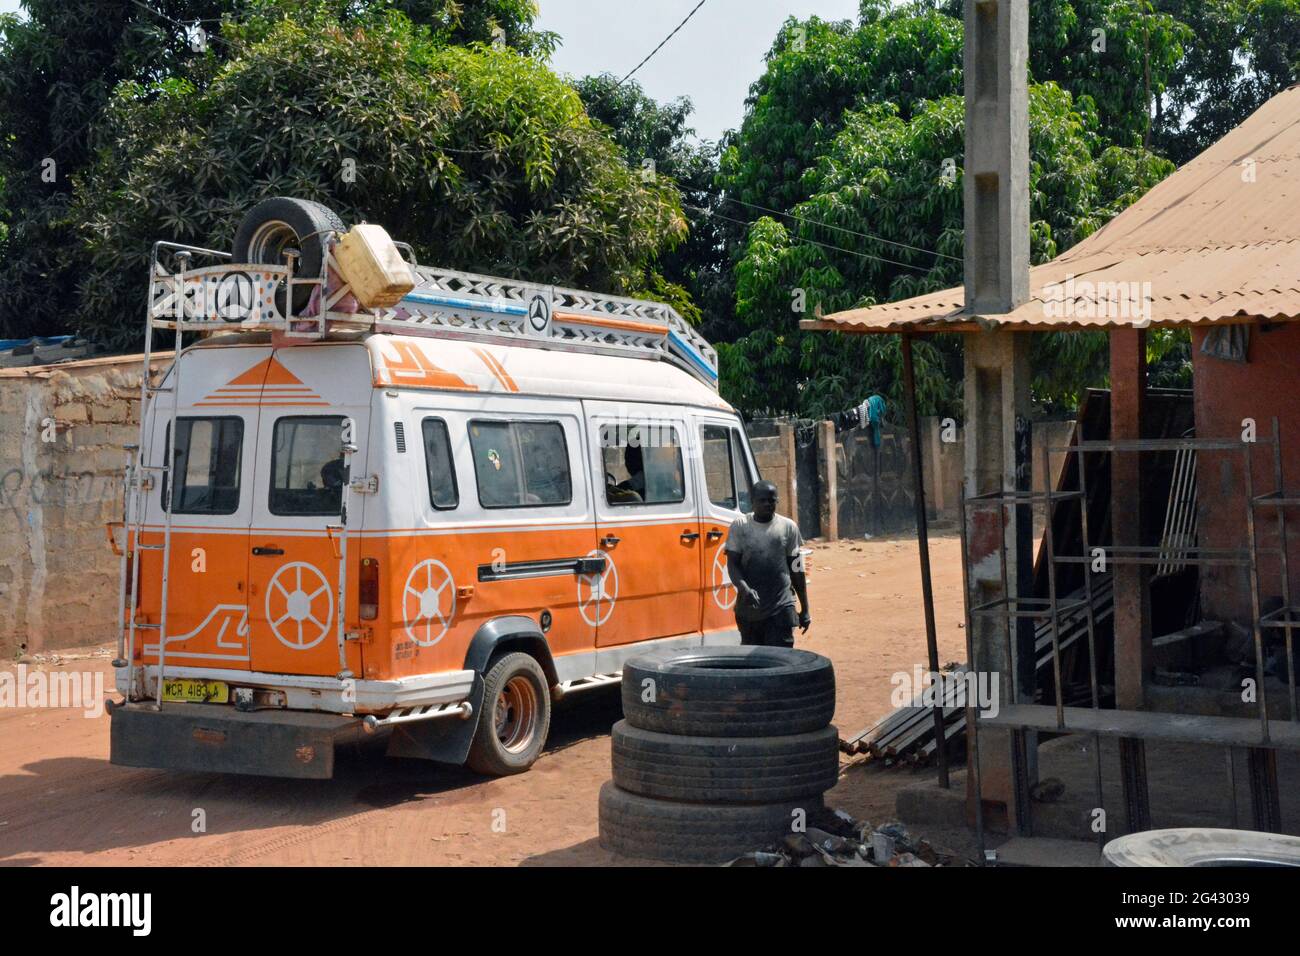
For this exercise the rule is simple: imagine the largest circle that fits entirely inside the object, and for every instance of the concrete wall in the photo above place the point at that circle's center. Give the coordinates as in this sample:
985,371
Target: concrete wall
58,577
943,456
775,457
1226,393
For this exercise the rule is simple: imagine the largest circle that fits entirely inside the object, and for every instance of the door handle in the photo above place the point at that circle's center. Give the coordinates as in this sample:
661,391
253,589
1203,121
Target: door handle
714,535
265,551
610,541
690,536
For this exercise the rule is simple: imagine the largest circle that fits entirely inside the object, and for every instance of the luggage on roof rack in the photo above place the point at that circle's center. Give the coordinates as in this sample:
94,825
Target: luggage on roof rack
251,296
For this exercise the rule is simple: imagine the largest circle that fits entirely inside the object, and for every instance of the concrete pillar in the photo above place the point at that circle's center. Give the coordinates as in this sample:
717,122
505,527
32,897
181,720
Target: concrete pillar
790,493
996,185
997,401
996,198
1128,376
828,474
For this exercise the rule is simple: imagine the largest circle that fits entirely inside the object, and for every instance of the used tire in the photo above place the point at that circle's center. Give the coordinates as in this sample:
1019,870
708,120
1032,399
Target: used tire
639,826
283,223
516,717
729,691
724,769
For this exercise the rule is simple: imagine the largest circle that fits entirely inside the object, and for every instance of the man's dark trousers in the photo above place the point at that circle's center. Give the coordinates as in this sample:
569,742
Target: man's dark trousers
774,631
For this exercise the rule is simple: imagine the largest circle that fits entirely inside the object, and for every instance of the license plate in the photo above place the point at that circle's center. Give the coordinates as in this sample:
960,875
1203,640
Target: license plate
197,691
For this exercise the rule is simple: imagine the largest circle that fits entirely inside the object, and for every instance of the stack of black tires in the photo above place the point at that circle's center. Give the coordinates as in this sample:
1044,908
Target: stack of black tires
721,751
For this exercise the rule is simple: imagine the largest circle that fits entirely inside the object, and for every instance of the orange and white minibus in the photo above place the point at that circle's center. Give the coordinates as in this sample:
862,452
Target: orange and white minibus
427,518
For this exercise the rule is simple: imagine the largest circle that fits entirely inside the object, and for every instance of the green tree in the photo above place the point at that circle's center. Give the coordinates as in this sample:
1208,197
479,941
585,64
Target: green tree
657,140
59,67
1243,53
481,157
883,221
817,71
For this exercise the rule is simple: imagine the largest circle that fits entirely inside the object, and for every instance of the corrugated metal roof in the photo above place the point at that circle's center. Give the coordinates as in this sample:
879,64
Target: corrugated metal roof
1216,242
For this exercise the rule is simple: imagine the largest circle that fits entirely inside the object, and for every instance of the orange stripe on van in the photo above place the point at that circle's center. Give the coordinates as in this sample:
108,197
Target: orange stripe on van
413,369
497,369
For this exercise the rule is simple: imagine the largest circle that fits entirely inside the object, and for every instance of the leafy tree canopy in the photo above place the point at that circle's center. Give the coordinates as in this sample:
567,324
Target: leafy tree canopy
479,156
846,110
883,221
60,65
657,140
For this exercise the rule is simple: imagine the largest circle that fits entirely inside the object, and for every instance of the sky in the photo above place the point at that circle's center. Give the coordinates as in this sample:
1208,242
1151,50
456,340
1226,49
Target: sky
712,60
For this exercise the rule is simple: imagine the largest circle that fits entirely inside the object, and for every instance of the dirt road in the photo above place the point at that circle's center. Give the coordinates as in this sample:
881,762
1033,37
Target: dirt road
61,802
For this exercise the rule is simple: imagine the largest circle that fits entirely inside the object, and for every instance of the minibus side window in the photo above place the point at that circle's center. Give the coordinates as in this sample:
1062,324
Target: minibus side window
642,463
438,465
307,468
206,464
520,464
743,474
718,473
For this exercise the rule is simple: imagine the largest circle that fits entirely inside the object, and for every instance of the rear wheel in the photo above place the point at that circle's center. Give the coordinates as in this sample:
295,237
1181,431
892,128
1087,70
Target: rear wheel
516,717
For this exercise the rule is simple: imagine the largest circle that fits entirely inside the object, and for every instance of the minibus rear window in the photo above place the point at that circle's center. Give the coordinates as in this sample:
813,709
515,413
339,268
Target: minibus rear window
307,468
438,465
206,464
520,464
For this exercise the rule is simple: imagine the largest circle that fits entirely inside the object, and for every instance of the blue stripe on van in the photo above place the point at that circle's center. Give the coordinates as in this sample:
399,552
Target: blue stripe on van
693,354
477,305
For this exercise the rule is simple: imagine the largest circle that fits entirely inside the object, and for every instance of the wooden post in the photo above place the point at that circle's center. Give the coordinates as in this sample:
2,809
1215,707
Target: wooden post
1128,375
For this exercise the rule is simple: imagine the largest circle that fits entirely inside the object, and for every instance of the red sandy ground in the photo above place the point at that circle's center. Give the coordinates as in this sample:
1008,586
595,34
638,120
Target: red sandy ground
61,802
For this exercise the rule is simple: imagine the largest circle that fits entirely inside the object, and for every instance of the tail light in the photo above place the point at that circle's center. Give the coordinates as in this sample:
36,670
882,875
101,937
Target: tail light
368,589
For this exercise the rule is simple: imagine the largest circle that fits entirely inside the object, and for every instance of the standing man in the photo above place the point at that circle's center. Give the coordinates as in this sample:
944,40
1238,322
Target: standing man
764,564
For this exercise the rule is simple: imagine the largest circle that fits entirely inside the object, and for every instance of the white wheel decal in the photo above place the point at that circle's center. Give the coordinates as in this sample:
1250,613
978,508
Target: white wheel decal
724,592
297,595
429,587
598,592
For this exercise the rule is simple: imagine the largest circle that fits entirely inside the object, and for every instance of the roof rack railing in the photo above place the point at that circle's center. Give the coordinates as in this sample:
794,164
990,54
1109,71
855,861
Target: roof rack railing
234,296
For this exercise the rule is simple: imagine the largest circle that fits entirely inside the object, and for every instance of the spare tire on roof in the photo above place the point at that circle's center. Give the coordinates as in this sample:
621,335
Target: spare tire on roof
729,691
283,223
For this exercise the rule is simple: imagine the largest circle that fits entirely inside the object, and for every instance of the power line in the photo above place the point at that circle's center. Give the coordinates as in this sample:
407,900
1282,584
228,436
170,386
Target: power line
180,23
827,225
662,42
814,242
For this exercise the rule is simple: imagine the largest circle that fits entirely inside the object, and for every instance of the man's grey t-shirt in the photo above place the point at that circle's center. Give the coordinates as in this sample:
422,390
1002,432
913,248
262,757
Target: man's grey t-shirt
765,551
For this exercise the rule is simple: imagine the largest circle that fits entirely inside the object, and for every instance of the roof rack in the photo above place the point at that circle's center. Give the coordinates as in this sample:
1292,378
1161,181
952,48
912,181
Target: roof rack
445,303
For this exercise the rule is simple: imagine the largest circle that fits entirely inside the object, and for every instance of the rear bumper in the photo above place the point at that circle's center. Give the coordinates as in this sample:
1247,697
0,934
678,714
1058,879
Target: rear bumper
315,693
214,738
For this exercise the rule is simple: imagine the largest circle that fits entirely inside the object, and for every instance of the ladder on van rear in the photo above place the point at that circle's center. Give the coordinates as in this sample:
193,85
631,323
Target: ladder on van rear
241,297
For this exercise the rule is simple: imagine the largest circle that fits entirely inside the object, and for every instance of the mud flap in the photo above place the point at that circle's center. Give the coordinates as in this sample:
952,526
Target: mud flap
446,740
217,739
